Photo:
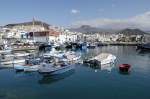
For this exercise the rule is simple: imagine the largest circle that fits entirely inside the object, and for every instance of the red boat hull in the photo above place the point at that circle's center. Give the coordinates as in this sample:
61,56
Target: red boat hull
124,67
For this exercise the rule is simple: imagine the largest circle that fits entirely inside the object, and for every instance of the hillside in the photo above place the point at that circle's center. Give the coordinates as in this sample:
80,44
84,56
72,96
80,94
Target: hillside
132,32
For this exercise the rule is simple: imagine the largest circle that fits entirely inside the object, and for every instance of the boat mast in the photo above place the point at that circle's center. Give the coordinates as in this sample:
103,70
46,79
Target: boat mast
33,23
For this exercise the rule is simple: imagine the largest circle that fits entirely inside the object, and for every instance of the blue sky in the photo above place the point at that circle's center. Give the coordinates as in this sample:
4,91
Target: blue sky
68,12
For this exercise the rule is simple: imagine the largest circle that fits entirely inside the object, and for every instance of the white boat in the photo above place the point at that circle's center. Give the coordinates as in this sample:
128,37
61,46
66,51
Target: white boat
5,51
15,58
21,54
17,55
72,56
101,59
54,54
91,45
105,58
69,56
13,61
58,66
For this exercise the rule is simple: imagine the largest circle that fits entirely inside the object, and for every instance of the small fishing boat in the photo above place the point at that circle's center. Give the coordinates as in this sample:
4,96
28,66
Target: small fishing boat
70,55
29,66
101,59
124,67
58,67
54,70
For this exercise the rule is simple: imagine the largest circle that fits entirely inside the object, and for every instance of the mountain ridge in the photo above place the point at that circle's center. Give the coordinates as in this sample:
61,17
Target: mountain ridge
90,29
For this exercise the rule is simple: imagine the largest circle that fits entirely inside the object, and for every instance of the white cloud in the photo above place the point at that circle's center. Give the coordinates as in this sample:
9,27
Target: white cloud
140,21
75,11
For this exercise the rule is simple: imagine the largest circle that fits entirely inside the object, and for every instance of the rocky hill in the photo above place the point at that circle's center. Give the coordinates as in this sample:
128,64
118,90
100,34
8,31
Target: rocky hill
132,32
35,22
89,29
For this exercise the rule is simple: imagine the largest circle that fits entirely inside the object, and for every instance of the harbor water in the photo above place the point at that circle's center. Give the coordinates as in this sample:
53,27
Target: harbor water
84,82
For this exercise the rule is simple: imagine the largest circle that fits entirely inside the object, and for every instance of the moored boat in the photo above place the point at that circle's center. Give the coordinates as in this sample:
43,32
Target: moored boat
144,46
124,67
17,55
91,45
72,56
26,68
29,66
5,49
53,68
15,61
101,59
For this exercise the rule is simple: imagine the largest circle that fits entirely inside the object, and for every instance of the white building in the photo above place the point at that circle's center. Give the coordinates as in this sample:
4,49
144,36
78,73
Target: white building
55,36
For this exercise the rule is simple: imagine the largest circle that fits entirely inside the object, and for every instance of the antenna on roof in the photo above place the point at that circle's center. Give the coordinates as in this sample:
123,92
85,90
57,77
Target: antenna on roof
33,21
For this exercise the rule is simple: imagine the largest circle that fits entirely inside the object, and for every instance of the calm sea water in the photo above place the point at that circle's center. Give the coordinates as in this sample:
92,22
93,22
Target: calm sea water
84,82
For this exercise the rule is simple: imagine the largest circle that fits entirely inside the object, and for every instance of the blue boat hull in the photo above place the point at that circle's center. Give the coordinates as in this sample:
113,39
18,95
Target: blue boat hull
25,68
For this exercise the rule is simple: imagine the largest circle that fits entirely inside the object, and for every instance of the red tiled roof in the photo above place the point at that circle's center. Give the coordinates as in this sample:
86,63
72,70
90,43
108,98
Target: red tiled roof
54,33
42,33
47,33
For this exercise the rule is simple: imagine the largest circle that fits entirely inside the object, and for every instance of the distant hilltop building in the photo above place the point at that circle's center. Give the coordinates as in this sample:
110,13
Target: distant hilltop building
17,30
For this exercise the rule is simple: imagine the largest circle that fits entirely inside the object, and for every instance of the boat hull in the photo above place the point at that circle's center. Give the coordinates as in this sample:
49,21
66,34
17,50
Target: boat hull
13,62
56,71
124,67
26,68
97,62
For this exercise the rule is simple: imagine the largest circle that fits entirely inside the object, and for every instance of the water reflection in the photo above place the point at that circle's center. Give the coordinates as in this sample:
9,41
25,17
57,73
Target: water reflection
142,51
55,78
107,67
26,74
124,73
